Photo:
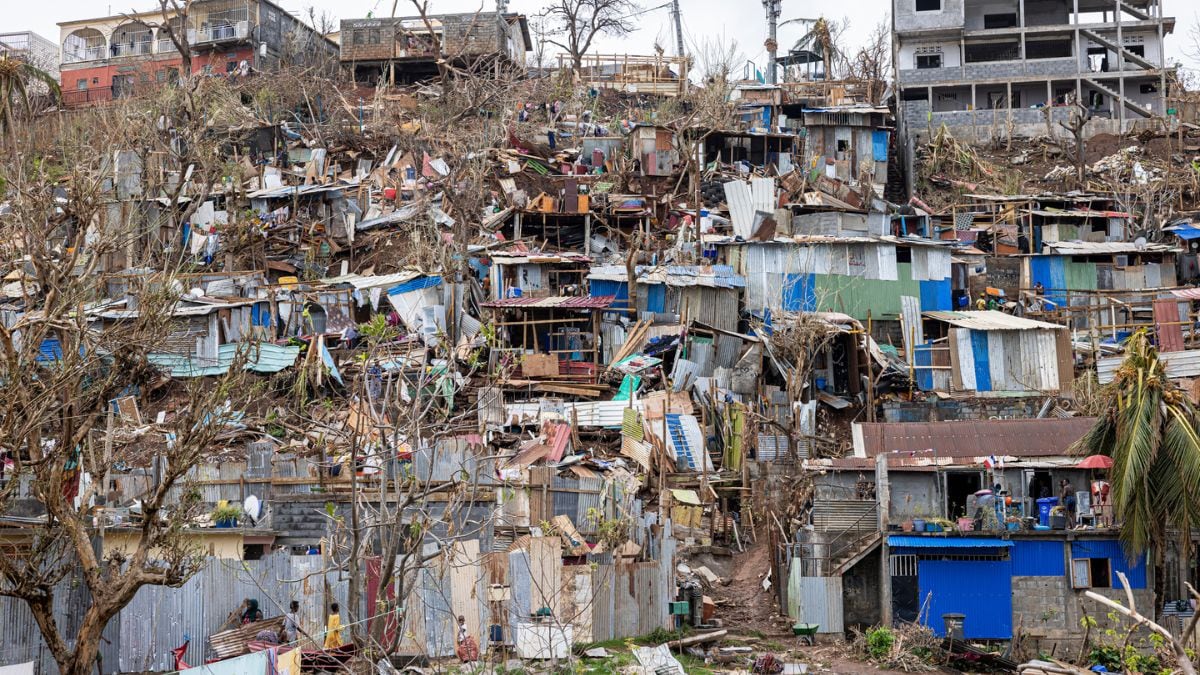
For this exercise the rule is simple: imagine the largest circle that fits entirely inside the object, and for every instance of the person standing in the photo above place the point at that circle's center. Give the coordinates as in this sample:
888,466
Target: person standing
333,628
291,623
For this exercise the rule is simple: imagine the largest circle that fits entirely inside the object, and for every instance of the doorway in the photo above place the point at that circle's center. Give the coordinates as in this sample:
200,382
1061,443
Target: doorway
960,485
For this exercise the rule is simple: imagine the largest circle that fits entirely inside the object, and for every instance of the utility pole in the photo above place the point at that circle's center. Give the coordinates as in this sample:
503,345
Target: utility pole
774,10
678,29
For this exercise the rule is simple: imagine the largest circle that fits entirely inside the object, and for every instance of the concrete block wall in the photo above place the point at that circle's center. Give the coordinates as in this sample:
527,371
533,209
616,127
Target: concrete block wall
909,19
1047,612
968,409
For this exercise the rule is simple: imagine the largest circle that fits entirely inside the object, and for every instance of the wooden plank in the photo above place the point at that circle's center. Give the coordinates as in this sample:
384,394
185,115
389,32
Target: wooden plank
545,571
1066,361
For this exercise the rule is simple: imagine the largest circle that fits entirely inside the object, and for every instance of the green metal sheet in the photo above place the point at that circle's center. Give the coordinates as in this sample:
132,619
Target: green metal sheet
260,358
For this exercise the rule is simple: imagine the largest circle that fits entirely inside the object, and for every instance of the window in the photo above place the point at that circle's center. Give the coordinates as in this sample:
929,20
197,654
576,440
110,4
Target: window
360,37
81,85
1091,573
95,80
1148,88
929,61
1000,20
230,66
914,95
929,5
160,76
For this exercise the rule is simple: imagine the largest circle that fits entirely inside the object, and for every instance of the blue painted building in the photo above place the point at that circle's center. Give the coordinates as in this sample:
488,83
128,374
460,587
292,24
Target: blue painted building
999,584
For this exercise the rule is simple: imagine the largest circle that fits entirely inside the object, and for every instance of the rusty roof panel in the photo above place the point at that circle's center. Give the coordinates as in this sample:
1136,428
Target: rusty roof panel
1049,437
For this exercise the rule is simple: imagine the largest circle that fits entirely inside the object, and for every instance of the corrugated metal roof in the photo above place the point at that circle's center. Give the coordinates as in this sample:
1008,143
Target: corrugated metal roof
1177,365
556,302
901,541
714,276
261,358
990,320
361,282
1050,437
1103,247
1187,293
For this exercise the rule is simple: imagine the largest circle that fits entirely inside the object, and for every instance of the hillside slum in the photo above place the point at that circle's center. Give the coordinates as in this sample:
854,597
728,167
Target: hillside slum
555,363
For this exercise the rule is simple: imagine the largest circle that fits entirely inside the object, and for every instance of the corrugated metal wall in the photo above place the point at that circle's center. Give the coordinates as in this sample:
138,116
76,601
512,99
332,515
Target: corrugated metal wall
815,600
1033,558
979,589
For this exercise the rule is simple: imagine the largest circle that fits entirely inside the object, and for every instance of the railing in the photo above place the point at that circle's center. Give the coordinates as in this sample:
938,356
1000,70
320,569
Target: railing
140,48
848,541
221,32
72,98
88,54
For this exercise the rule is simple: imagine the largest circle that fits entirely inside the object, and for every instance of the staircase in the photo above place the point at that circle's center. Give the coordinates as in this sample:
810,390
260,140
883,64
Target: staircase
1125,53
1132,105
1139,14
845,532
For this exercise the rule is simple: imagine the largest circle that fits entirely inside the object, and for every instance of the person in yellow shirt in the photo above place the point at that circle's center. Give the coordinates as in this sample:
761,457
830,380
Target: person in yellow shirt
333,628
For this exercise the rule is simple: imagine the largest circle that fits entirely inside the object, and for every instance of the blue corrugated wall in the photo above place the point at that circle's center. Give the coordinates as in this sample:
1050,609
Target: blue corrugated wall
1038,558
935,296
656,298
924,358
1111,549
1051,271
979,589
800,293
619,289
979,350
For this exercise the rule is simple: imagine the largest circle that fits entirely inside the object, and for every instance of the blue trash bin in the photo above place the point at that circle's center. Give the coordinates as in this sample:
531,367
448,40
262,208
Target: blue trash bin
1044,506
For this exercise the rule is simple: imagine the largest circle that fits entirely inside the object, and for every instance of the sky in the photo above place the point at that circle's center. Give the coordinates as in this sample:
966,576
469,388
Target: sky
704,21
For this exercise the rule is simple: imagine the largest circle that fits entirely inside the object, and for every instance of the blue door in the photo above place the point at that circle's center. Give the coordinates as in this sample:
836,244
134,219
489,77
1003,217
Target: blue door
981,590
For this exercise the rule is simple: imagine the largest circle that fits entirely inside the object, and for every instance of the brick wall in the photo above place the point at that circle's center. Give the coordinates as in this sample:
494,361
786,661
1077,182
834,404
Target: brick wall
1047,611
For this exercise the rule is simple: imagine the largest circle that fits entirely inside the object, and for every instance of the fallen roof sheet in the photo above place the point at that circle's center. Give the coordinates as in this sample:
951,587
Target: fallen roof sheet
1056,213
911,541
362,282
1102,247
990,320
301,190
1178,365
713,276
555,302
1187,293
1049,437
260,358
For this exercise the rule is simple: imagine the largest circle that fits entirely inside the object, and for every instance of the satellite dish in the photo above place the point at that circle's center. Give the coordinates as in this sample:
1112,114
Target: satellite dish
252,507
1140,243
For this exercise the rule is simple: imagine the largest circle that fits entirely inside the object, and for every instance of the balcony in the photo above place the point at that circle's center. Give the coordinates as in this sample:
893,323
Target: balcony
83,55
220,32
140,48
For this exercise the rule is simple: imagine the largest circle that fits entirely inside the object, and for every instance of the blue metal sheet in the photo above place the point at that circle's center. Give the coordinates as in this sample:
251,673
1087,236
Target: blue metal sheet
618,289
49,351
1186,232
1036,558
902,541
1111,549
981,590
983,370
1050,271
656,298
924,357
879,145
415,285
800,292
935,296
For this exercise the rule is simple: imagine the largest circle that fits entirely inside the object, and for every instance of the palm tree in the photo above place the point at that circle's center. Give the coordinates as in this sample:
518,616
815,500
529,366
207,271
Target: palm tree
15,76
1150,431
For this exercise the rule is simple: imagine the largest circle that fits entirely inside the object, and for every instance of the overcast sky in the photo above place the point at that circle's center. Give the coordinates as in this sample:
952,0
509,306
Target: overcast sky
703,20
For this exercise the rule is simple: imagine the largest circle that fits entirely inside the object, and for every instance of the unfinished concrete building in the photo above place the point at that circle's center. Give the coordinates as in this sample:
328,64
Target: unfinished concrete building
404,50
987,68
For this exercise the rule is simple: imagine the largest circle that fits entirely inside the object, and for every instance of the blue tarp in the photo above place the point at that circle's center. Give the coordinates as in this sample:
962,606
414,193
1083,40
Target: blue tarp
1186,232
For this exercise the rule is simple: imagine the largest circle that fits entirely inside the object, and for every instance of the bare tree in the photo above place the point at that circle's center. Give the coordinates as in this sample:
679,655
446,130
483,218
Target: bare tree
872,63
580,22
56,419
174,24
